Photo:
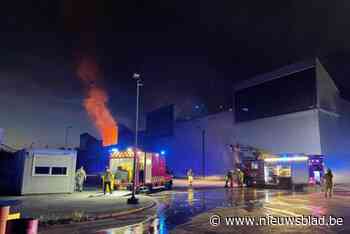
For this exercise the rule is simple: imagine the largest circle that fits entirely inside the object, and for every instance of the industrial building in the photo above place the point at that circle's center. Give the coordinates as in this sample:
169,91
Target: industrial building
295,110
203,145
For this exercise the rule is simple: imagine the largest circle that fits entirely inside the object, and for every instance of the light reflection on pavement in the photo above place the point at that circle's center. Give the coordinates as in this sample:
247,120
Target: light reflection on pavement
294,205
178,207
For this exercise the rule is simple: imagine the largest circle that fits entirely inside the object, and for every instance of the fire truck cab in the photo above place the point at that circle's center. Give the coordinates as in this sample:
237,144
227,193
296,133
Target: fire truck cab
150,170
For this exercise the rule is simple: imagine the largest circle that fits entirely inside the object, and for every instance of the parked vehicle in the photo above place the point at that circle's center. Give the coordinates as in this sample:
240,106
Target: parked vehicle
151,171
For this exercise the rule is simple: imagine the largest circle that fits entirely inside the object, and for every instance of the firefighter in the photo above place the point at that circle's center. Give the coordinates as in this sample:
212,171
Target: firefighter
142,177
80,177
240,177
107,181
190,177
328,177
229,179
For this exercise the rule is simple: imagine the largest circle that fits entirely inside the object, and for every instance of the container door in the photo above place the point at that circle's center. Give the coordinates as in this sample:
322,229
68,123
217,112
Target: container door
300,172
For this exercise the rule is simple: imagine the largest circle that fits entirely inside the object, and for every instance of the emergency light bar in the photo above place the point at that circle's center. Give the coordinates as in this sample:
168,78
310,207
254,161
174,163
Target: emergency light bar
287,159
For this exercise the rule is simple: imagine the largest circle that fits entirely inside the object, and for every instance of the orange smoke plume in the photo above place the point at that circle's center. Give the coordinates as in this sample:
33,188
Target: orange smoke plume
96,101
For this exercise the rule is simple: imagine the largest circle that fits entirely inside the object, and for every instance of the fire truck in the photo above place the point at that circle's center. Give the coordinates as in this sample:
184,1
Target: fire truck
283,170
250,161
150,170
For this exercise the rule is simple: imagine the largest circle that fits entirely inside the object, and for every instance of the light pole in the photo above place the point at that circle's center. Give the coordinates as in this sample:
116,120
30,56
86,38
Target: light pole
203,134
203,153
66,136
133,199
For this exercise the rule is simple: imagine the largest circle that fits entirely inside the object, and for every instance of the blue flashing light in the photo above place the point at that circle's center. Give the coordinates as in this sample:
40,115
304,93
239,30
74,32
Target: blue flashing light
114,150
162,152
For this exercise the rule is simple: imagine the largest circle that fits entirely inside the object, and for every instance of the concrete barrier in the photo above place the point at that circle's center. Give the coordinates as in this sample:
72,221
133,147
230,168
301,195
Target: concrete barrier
4,213
25,226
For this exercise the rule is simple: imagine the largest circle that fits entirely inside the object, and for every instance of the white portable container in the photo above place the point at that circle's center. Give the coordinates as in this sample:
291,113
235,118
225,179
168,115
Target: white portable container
47,171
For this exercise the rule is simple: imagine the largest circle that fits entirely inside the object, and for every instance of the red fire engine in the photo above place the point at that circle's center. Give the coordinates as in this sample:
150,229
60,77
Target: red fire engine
151,170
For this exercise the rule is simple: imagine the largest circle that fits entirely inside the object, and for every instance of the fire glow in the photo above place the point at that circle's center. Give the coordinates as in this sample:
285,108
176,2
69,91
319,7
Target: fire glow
96,101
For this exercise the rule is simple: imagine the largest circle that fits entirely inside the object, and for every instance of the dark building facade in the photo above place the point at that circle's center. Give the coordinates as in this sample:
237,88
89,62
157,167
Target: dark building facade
94,157
295,92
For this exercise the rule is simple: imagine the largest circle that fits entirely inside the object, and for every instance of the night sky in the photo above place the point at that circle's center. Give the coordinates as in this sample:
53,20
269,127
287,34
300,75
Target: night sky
188,53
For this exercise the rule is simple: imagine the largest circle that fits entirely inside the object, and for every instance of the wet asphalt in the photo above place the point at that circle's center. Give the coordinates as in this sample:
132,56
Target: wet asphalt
179,206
